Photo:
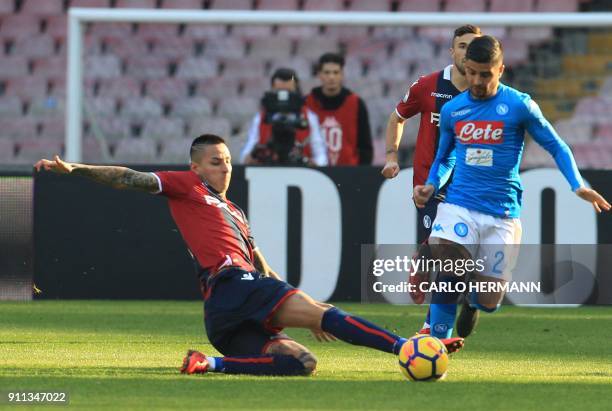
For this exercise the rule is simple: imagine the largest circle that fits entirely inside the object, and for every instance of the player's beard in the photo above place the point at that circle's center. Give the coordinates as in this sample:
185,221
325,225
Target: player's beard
460,68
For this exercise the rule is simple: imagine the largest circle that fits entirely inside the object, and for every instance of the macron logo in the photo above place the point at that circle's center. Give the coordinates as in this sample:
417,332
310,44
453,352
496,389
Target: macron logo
480,132
437,227
247,276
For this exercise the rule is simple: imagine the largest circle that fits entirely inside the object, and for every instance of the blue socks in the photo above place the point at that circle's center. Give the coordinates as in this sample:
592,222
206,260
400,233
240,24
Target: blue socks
443,308
357,331
265,364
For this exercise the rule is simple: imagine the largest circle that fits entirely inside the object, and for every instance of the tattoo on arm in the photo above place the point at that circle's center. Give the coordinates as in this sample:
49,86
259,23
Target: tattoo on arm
121,178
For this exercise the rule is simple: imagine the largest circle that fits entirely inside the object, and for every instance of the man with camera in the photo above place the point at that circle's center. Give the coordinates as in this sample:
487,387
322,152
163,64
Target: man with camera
343,115
284,131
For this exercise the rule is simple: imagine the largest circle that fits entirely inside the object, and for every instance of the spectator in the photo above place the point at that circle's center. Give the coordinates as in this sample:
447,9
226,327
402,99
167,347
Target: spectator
342,114
307,138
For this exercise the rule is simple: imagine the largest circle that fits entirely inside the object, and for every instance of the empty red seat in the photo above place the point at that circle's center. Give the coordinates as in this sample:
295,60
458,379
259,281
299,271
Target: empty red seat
53,128
303,67
574,131
93,152
557,6
367,50
38,46
7,7
271,48
414,50
27,87
136,4
439,35
229,47
106,66
17,127
397,33
13,66
174,48
126,47
7,150
10,106
50,106
217,87
533,35
157,31
162,128
57,27
368,5
312,48
32,150
196,68
516,51
345,33
297,32
111,128
419,5
175,151
50,67
167,89
90,3
205,31
135,151
251,32
18,26
119,88
323,5
192,107
277,5
465,6
147,67
209,125
141,108
255,87
182,4
243,68
101,106
47,7
231,4
367,88
238,109
498,6
111,30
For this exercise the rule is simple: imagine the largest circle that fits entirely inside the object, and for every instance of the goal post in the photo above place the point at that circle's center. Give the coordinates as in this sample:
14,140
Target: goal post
79,16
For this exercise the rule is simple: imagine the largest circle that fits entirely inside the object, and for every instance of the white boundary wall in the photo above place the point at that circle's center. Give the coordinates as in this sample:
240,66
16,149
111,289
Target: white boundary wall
78,16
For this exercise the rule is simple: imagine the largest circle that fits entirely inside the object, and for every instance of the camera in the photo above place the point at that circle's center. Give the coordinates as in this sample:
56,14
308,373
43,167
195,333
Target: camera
283,112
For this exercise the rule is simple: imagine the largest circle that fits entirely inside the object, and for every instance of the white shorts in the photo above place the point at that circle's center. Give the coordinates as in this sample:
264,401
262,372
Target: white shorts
492,240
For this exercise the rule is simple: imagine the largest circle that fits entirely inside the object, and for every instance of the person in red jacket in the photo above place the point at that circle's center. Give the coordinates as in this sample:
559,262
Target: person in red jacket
343,115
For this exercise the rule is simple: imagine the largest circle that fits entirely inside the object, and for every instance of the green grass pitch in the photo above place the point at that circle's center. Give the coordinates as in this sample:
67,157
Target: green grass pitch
126,354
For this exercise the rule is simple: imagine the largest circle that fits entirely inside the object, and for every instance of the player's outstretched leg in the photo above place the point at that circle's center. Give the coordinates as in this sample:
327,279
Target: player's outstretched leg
301,311
280,357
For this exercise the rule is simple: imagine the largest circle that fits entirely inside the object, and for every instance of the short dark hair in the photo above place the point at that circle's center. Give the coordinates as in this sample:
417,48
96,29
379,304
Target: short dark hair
204,140
284,74
485,49
330,58
465,29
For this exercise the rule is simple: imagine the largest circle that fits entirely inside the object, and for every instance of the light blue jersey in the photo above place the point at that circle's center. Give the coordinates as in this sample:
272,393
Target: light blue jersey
483,141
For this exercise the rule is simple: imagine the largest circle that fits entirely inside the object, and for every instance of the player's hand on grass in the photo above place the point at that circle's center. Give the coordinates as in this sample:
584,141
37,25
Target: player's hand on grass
422,194
322,336
57,165
593,197
391,169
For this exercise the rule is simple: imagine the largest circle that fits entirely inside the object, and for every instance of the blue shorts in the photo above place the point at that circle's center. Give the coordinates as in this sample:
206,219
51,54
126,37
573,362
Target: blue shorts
238,310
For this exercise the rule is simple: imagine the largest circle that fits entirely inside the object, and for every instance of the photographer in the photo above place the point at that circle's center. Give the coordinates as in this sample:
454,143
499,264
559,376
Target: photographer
284,131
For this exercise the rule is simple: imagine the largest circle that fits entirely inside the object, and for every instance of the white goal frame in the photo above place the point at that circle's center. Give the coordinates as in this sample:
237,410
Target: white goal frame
78,16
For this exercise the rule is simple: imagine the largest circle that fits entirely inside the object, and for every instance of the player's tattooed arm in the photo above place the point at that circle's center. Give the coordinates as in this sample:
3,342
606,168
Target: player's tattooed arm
121,178
262,265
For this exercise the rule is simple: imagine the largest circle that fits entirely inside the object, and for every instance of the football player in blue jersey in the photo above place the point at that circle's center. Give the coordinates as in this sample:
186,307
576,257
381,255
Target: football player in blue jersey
482,134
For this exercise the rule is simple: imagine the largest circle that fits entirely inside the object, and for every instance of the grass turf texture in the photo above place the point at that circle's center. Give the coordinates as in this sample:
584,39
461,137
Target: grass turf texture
126,354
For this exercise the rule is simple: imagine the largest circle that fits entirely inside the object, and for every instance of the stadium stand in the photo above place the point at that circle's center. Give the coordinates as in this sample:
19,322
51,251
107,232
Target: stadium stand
154,83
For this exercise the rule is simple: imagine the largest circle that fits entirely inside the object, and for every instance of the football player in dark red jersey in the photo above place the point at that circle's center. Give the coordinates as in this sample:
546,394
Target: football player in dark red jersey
343,116
426,96
246,304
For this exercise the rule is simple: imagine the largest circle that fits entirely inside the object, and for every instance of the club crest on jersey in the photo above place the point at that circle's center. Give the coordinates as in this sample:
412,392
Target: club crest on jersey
213,201
502,109
480,132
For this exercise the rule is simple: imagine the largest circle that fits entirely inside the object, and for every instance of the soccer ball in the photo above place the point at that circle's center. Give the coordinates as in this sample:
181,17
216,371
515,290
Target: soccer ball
423,358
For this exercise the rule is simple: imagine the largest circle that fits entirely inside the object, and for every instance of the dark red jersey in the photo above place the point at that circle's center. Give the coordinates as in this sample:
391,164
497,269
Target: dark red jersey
215,229
339,128
426,96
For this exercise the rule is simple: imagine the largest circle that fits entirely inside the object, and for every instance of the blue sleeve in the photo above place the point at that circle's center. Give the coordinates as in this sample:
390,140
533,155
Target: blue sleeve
444,162
545,135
